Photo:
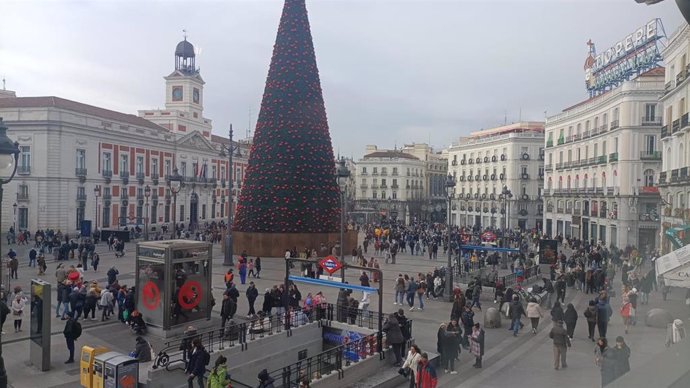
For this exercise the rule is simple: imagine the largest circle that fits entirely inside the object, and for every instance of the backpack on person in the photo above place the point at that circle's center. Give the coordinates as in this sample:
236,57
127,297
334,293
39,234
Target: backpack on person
207,357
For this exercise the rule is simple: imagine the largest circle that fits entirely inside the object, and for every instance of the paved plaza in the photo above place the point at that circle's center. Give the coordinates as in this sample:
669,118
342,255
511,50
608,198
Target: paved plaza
523,361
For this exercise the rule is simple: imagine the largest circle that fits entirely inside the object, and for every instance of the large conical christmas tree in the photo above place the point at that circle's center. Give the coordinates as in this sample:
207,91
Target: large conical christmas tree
289,186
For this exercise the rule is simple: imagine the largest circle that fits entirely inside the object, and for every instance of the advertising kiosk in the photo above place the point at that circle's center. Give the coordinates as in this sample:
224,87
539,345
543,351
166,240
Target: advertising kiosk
173,282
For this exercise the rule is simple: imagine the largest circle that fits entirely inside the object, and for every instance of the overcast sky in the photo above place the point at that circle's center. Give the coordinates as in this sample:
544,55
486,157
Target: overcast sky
392,72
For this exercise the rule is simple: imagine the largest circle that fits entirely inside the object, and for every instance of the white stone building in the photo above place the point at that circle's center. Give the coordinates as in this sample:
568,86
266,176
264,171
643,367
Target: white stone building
434,196
602,157
68,149
389,183
674,180
485,162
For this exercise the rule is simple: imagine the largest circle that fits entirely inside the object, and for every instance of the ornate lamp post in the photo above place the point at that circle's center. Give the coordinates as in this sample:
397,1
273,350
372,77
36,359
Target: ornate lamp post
450,187
147,194
9,154
175,185
97,194
342,174
230,149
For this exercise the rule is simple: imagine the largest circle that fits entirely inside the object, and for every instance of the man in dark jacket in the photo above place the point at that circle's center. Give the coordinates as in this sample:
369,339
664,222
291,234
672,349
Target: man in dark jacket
265,381
394,337
516,312
196,367
252,294
142,351
227,310
72,331
561,343
560,289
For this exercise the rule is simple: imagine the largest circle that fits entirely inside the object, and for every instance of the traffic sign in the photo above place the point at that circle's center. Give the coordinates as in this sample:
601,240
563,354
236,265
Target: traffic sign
151,295
330,264
189,295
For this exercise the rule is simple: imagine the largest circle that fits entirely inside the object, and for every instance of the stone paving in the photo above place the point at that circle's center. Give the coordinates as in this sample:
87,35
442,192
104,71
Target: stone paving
509,361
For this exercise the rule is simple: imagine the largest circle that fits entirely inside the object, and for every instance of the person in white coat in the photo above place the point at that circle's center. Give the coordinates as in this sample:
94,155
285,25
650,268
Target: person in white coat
534,313
18,311
409,367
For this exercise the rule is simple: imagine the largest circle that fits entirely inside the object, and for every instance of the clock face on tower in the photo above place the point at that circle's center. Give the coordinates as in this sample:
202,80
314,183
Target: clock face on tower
195,95
177,93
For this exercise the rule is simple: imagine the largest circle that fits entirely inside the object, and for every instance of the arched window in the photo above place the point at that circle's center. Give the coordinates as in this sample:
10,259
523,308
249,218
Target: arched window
648,177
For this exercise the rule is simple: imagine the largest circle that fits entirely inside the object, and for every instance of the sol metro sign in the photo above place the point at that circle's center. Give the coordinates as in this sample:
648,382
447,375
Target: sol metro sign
330,264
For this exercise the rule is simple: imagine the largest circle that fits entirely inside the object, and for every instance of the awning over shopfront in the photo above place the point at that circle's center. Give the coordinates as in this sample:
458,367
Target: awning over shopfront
674,267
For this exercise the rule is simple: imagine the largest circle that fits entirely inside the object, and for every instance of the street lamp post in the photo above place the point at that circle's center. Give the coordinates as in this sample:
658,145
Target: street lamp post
450,186
230,149
96,195
175,185
342,174
14,221
506,194
9,154
147,194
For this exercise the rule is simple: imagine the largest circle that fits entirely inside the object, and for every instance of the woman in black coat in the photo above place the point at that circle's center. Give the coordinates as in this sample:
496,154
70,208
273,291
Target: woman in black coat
570,319
394,337
268,302
557,312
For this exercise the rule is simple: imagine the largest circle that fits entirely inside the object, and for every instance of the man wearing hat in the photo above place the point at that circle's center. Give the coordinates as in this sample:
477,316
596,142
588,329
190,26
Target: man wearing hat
561,343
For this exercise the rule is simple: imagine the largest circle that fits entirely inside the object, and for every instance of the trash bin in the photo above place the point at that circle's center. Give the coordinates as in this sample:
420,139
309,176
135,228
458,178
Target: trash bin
121,372
88,355
99,360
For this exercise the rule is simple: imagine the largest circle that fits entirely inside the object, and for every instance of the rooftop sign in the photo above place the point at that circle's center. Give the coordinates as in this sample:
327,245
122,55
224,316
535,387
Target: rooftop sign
632,55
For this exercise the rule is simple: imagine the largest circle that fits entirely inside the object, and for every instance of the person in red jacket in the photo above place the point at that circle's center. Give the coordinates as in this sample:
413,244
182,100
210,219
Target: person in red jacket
426,374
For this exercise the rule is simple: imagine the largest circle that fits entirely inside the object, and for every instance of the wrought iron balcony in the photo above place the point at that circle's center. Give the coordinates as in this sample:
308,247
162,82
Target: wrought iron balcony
81,197
613,157
653,155
614,124
662,177
23,169
665,132
80,172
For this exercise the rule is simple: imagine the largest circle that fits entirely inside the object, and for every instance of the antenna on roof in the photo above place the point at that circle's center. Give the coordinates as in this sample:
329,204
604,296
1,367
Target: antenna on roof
184,34
505,117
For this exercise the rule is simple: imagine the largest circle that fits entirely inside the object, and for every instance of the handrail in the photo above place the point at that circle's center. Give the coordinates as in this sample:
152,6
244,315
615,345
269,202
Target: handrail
217,339
327,362
235,383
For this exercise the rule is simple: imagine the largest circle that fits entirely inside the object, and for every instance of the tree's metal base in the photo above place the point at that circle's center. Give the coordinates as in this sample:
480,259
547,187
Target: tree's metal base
227,259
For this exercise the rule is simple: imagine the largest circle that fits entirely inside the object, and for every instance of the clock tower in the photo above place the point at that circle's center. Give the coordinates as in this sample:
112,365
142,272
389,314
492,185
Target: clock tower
184,96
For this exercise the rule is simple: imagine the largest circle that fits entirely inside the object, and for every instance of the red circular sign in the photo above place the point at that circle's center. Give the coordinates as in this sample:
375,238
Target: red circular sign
189,295
151,295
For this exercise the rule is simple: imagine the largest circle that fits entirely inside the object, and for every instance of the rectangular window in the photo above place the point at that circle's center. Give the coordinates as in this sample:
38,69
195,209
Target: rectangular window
383,182
140,165
81,159
181,219
203,211
23,218
364,170
154,166
373,195
124,163
107,161
168,167
395,169
376,170
649,144
222,173
213,172
395,195
106,216
153,212
650,112
183,168
523,169
123,215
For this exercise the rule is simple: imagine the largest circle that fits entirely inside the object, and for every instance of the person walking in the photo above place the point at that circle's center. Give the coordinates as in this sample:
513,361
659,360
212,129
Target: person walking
252,294
570,319
603,358
591,316
477,344
426,374
603,314
243,271
534,313
409,367
227,310
561,343
399,290
18,311
72,332
257,266
218,377
394,337
516,312
621,358
196,367
560,289
449,347
557,312
411,291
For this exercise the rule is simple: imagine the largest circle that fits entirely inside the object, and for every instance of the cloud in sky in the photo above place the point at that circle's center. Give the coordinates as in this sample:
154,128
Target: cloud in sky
392,72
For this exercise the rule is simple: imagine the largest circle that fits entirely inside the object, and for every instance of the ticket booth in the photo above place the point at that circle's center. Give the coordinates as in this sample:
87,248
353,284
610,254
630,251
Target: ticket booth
121,372
88,356
99,361
173,282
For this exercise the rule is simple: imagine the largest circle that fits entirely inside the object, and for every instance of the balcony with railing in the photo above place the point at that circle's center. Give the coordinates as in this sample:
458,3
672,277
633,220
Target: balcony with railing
675,175
586,134
395,186
684,174
384,186
140,176
107,196
615,124
665,132
23,194
561,141
548,167
81,197
80,172
613,157
662,177
601,159
675,127
549,143
647,121
650,155
669,86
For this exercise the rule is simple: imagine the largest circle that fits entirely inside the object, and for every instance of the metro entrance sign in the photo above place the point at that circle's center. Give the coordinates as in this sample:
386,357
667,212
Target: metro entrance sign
330,264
